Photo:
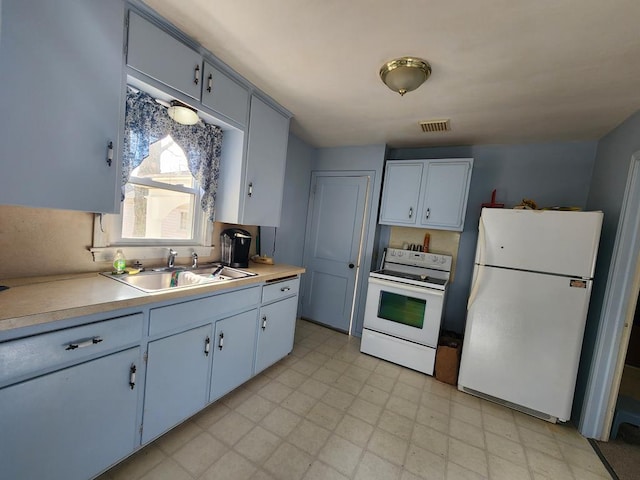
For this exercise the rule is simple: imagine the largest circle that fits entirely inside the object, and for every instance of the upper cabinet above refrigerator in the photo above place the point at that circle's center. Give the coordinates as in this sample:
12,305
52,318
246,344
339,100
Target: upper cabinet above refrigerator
426,193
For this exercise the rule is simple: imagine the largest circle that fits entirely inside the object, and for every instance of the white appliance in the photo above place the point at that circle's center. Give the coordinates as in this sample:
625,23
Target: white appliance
403,312
527,308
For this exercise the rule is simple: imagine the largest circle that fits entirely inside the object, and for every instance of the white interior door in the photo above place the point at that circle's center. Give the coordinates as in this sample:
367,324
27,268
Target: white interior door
332,248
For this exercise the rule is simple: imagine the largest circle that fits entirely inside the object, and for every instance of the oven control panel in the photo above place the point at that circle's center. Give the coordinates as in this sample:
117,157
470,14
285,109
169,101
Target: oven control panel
418,259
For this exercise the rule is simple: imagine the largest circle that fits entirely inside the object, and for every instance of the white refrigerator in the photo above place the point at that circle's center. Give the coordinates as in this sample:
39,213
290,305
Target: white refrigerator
527,308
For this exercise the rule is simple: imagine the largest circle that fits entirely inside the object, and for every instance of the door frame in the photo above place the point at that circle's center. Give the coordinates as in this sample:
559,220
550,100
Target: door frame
616,316
361,273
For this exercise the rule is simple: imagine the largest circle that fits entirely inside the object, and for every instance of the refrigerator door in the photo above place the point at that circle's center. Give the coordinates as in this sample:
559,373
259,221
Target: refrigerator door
523,338
563,243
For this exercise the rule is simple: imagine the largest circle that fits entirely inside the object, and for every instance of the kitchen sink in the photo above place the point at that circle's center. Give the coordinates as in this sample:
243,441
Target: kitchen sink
165,278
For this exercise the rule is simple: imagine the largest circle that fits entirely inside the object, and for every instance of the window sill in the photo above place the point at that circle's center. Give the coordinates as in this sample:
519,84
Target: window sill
131,253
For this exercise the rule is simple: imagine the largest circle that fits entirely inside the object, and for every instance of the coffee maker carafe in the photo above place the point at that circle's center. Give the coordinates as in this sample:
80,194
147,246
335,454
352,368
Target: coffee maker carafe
235,247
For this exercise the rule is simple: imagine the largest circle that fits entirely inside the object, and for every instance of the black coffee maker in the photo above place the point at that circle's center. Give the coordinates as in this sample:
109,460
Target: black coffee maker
235,247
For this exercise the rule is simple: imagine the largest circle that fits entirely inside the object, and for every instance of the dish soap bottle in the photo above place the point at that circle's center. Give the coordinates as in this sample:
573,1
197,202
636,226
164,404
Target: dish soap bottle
119,262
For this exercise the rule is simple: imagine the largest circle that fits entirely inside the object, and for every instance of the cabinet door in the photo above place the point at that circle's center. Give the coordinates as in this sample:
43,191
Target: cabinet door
233,352
445,197
177,380
400,193
71,424
224,95
61,73
162,57
276,329
266,159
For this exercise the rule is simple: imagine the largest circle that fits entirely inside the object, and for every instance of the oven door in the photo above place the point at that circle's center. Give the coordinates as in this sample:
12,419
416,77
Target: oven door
404,311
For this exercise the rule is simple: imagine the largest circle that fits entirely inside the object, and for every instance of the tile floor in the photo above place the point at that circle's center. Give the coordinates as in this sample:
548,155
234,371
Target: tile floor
329,412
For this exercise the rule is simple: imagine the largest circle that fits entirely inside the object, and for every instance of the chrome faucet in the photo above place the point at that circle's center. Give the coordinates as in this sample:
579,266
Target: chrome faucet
172,258
194,260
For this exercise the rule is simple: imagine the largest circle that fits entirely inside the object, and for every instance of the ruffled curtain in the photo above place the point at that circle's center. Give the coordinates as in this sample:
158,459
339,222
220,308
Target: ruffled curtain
146,122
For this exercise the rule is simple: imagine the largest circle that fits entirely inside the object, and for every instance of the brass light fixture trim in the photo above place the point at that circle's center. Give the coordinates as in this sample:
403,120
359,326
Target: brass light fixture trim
405,74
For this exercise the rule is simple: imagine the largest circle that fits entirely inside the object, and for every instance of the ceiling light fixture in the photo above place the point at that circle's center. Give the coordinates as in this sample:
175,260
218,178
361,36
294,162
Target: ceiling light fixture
405,74
182,113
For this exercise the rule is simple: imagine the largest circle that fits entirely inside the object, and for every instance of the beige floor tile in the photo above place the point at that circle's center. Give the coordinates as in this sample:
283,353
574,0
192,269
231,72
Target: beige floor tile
407,475
397,424
280,421
498,411
231,428
388,370
275,391
430,439
328,349
364,410
402,407
468,456
178,436
288,462
547,465
325,415
466,414
442,389
465,399
413,378
380,381
501,426
257,445
336,365
200,453
291,378
230,466
374,395
338,399
466,432
305,367
348,384
435,402
532,423
138,464
357,373
388,446
341,454
407,392
211,414
375,468
299,403
321,471
424,463
544,443
582,474
505,448
316,357
256,383
434,419
313,388
236,397
501,469
309,437
355,430
255,408
365,361
168,469
568,434
325,375
582,458
456,472
300,351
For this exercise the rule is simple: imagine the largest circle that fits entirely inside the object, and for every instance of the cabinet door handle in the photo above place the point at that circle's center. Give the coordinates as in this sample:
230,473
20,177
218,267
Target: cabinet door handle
428,213
109,153
285,289
207,346
132,376
221,341
210,83
86,343
264,322
250,189
196,75
410,212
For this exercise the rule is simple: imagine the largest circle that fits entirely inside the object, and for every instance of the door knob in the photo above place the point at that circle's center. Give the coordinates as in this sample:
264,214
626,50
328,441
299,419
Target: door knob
351,265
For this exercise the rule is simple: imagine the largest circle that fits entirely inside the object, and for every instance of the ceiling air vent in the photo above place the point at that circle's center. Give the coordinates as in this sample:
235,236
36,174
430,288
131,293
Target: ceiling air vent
431,126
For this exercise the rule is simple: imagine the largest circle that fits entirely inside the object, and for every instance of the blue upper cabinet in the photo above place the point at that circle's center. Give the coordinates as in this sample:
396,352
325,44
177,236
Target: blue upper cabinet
61,78
224,95
162,57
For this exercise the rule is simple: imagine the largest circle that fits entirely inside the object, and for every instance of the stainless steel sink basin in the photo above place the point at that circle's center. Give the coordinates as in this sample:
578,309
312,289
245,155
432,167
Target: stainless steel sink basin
156,281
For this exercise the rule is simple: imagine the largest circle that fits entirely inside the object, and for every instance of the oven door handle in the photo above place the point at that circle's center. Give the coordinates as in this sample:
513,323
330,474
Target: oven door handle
405,287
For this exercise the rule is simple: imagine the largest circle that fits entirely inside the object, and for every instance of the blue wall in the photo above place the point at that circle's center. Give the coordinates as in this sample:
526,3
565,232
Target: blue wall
550,174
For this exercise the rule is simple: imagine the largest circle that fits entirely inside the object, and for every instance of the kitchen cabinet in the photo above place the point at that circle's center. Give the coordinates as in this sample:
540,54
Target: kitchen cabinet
233,352
162,57
277,322
426,193
61,71
401,193
177,383
224,95
253,196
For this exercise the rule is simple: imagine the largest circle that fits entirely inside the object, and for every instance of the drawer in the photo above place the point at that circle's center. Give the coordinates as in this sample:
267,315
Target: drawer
172,317
31,354
281,289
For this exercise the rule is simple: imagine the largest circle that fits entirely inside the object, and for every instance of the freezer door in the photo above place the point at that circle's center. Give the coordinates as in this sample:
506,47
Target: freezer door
563,243
523,338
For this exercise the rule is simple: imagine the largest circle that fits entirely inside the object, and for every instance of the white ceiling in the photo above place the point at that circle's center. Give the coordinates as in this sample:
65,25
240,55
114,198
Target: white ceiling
504,71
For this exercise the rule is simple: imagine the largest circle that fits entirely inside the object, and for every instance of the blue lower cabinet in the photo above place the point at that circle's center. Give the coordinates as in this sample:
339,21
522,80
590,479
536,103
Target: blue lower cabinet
233,352
177,383
70,424
276,329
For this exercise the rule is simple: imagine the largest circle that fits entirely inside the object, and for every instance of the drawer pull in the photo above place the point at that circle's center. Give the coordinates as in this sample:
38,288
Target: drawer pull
264,322
209,83
285,289
207,346
221,341
132,376
86,343
196,75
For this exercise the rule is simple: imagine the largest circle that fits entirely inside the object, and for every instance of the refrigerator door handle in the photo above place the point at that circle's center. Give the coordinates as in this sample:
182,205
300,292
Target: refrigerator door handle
481,242
475,286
